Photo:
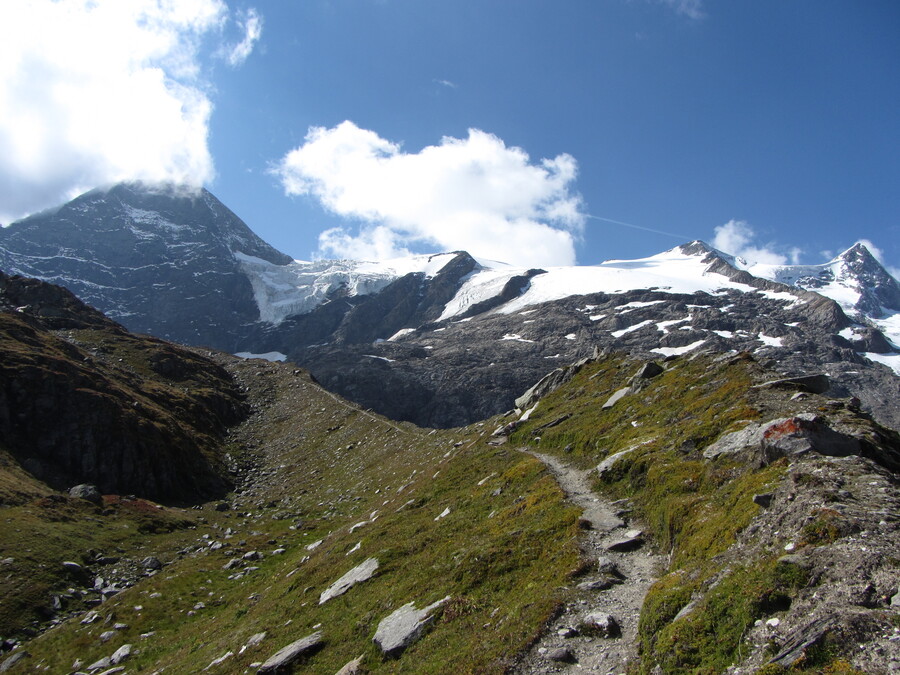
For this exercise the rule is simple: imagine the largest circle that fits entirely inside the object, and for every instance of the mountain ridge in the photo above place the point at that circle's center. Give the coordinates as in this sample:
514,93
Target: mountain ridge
454,338
749,521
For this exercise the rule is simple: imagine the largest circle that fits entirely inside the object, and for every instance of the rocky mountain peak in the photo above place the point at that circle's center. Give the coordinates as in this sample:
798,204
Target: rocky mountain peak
454,339
699,248
159,258
167,212
855,278
879,291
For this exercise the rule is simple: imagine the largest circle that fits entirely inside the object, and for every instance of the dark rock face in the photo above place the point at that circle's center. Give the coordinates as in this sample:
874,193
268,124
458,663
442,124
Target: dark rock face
878,289
169,264
159,260
456,372
95,404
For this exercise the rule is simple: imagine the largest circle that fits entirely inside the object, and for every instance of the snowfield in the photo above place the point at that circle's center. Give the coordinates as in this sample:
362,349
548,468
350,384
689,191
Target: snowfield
299,287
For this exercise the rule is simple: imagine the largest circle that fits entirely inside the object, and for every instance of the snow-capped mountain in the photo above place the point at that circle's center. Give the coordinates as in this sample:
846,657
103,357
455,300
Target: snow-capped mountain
159,259
446,339
858,283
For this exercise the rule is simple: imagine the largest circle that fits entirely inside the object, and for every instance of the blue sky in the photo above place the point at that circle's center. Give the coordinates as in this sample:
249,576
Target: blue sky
775,122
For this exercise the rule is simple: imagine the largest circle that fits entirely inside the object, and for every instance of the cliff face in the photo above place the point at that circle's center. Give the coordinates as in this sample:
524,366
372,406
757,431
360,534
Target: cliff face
445,340
696,513
84,401
159,259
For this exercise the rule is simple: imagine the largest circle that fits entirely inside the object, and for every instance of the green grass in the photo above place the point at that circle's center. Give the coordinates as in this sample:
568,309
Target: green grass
693,507
506,553
707,639
503,554
40,535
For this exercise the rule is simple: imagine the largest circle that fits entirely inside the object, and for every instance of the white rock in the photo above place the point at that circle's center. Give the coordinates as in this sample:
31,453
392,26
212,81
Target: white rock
287,655
401,628
120,655
220,660
358,574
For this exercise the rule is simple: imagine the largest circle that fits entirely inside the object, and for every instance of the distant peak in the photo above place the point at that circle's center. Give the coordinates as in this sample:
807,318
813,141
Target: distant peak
859,252
697,247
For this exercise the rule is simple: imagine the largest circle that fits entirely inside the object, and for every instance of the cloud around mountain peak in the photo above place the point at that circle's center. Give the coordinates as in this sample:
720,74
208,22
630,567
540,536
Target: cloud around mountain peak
474,193
94,92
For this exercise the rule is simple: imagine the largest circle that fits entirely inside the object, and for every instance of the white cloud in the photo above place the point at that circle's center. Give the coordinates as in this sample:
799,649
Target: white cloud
474,194
96,91
251,23
736,237
692,9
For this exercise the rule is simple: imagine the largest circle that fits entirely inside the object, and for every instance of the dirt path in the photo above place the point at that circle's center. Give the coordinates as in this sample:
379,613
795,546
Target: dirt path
619,594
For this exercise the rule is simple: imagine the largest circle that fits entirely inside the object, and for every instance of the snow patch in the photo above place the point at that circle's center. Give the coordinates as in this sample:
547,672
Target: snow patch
892,361
678,351
400,333
665,325
770,341
268,356
630,306
515,337
630,329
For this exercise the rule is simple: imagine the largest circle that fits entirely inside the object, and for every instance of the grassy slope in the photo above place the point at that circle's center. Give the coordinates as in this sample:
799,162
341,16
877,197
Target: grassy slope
503,559
504,553
694,508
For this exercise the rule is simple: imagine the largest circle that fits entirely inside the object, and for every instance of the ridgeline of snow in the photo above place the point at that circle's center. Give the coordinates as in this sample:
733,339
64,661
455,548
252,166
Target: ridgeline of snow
855,281
299,287
673,271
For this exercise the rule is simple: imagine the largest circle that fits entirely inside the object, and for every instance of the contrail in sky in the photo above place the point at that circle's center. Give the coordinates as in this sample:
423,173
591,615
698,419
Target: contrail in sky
638,227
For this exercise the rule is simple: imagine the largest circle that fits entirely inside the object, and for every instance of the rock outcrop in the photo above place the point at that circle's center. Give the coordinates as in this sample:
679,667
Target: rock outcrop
96,404
404,626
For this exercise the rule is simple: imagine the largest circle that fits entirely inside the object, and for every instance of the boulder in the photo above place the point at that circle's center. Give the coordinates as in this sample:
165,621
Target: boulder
550,382
789,437
404,626
648,371
815,384
615,398
631,540
796,643
287,655
219,661
764,500
608,567
601,624
353,667
122,653
561,655
88,492
9,663
151,563
607,464
360,573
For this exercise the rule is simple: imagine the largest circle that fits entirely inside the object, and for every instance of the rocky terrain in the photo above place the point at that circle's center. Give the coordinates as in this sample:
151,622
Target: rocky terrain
84,401
453,340
157,258
689,513
684,463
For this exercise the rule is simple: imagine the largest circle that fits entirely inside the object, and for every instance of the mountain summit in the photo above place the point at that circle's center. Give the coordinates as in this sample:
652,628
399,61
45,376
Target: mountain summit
443,340
855,279
161,259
